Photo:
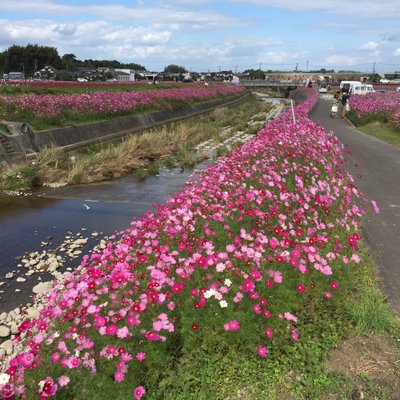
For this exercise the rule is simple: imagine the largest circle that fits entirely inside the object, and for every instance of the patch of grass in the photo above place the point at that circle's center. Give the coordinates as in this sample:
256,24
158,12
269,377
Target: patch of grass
21,179
371,313
383,131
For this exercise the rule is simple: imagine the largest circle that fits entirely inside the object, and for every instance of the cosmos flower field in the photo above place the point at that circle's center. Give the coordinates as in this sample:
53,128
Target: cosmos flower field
378,105
242,252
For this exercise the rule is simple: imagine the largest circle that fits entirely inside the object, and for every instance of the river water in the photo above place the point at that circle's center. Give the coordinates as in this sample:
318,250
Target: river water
26,222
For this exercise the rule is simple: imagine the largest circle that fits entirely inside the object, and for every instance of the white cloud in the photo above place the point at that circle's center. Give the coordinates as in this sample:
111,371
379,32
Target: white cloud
370,46
340,59
397,52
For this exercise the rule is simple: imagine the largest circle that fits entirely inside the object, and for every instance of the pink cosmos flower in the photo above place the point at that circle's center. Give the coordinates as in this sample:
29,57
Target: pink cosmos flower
139,392
123,332
73,362
111,329
140,356
334,285
290,317
262,351
234,325
268,332
248,285
63,380
119,376
47,388
100,321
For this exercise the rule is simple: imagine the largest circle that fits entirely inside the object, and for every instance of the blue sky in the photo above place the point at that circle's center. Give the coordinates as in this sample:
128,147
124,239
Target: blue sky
204,35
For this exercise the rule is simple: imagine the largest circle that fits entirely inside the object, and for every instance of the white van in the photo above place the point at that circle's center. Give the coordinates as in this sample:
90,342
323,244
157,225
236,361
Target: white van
360,89
345,85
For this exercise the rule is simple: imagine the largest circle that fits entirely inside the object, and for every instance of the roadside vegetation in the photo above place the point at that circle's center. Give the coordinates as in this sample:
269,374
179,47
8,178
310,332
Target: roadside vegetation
246,285
377,114
143,153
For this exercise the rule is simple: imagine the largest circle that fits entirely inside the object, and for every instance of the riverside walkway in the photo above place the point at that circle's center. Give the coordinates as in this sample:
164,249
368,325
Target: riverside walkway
378,164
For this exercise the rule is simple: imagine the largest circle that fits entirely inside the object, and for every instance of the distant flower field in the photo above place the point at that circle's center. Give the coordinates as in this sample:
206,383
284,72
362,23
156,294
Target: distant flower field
31,107
378,105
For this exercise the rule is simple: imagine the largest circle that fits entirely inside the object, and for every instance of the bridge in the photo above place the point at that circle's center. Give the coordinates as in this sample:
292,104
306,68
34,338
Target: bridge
269,83
283,87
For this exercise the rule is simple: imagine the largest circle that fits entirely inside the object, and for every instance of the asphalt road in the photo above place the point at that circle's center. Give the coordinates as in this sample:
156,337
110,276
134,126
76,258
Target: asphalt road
379,166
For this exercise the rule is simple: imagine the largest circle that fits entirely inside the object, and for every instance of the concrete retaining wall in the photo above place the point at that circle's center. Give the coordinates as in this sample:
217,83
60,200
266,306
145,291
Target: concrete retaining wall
73,137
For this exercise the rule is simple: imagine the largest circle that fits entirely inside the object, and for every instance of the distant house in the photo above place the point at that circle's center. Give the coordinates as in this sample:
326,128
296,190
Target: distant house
125,75
16,76
48,72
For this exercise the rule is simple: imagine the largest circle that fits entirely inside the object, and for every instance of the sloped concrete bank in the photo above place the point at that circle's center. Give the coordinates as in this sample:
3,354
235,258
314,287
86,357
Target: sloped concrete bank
24,141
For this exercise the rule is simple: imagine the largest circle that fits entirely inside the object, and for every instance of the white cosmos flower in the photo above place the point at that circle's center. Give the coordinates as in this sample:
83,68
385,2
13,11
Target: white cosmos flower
227,282
223,304
209,293
4,378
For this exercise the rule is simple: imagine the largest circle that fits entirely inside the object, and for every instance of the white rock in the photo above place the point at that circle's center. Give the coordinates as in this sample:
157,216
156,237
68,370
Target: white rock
33,262
17,311
42,287
17,290
4,331
21,279
14,328
7,346
32,313
3,316
9,275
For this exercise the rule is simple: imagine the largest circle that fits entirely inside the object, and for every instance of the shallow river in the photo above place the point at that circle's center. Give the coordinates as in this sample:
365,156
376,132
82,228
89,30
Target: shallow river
104,207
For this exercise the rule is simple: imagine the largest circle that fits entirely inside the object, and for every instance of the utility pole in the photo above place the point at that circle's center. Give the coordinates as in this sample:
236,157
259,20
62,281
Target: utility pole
373,69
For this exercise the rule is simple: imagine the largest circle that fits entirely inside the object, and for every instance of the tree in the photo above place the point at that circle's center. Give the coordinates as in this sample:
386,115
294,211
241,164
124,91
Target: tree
174,69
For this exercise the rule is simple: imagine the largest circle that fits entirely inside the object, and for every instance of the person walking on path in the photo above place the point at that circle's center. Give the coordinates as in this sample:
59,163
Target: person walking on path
345,101
335,104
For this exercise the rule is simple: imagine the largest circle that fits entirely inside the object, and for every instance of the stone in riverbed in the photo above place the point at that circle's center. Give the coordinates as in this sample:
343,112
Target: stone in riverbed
7,346
42,287
4,331
21,279
9,275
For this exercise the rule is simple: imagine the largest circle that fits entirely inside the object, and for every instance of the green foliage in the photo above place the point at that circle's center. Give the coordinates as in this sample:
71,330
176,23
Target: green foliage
367,118
175,69
23,178
371,313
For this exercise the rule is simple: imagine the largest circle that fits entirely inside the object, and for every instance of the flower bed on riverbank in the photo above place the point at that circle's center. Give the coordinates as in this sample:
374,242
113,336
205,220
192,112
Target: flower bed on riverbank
53,110
376,107
245,255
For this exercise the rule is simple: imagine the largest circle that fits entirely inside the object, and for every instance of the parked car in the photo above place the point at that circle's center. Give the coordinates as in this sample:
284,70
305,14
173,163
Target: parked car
361,89
323,88
345,85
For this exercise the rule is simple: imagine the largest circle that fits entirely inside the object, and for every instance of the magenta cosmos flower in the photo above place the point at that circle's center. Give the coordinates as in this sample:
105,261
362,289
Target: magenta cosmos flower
139,392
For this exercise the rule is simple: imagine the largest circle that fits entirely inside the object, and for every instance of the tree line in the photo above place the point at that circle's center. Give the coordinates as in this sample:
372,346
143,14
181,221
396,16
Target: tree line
32,58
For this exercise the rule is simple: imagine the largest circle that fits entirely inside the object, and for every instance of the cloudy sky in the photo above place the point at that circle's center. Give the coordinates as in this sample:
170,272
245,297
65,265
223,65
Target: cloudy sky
213,35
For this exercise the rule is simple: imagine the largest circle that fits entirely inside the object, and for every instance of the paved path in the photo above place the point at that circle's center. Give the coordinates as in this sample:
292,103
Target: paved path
379,166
